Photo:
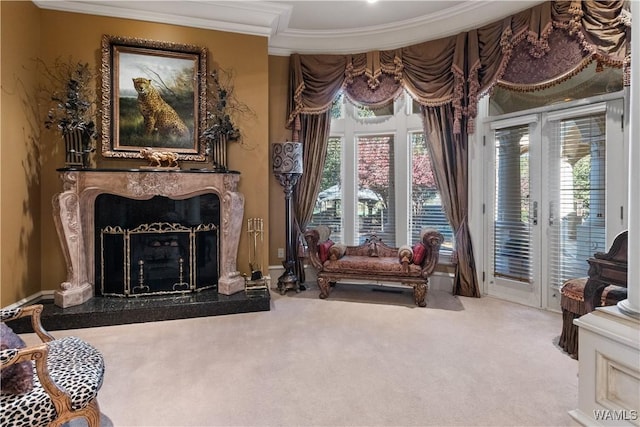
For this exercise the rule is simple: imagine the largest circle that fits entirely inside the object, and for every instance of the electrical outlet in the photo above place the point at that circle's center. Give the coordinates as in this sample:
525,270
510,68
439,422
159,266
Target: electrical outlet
281,253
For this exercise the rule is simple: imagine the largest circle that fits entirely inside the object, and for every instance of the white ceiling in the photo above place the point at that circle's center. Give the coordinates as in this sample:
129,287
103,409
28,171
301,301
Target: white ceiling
312,26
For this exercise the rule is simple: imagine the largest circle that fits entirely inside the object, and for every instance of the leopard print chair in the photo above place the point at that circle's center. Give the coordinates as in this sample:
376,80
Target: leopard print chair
67,374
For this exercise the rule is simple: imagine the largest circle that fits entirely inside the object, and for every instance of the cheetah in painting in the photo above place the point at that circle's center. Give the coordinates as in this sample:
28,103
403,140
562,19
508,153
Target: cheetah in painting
158,116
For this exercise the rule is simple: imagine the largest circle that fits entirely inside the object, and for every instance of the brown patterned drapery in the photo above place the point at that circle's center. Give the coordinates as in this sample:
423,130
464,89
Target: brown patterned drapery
452,73
448,152
315,127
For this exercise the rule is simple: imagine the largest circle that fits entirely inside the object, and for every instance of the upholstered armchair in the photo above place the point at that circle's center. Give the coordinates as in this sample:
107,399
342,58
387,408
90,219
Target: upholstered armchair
605,285
50,383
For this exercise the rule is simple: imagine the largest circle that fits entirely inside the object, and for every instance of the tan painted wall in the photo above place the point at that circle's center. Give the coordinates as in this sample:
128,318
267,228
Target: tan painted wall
19,170
63,34
278,88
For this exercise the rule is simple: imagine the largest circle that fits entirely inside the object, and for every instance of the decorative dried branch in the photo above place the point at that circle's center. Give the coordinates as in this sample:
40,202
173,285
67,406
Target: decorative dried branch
68,91
223,108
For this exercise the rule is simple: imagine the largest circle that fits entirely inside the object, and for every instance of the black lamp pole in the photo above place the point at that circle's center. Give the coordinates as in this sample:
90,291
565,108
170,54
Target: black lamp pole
287,168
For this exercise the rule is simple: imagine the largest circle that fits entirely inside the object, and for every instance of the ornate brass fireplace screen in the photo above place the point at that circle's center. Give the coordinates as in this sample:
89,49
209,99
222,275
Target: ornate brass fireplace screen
158,258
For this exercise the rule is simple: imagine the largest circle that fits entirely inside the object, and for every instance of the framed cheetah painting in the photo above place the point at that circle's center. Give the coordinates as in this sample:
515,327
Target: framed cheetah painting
153,96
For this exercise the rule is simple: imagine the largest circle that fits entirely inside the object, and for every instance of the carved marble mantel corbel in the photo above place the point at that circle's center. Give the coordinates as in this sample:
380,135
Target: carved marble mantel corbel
74,216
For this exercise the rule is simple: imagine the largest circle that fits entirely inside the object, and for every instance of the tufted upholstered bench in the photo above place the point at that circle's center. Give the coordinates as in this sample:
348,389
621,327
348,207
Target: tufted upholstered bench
573,306
373,262
67,374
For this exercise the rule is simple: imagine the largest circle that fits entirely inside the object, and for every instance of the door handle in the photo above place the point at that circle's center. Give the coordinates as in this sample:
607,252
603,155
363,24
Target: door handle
535,213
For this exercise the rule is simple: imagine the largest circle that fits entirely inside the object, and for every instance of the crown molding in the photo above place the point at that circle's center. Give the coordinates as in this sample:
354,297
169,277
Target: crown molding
467,16
271,20
245,17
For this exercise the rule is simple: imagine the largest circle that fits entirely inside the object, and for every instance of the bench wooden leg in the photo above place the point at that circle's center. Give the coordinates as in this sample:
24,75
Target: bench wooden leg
325,287
420,294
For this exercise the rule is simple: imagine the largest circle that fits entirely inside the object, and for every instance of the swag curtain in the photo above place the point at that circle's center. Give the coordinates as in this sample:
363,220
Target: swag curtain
447,76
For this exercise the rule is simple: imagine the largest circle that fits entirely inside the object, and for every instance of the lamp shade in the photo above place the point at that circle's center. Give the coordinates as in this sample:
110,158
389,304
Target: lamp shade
287,157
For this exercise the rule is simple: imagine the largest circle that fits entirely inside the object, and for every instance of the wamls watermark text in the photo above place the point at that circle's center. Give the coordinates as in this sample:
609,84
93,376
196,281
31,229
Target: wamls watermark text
615,414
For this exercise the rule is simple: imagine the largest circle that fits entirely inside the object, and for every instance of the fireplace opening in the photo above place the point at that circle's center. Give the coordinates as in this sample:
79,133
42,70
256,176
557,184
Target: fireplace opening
156,246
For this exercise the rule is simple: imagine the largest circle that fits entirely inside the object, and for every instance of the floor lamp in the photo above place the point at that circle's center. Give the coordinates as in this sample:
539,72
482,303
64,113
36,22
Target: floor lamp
287,168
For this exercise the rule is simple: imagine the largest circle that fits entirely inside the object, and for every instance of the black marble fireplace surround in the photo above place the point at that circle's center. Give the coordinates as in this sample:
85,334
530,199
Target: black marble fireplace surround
181,197
108,311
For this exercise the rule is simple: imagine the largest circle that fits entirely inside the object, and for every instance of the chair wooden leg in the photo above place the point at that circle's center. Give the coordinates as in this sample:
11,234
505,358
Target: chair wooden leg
91,413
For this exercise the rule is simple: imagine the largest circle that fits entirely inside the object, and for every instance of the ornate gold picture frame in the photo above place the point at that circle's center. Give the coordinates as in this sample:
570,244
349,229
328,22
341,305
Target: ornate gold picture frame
153,95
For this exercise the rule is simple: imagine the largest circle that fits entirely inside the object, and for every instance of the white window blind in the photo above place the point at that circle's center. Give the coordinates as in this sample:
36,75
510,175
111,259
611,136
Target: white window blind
426,205
577,187
376,196
512,227
328,208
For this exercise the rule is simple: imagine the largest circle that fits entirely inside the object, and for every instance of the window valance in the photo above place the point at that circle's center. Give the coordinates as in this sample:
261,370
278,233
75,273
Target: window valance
530,50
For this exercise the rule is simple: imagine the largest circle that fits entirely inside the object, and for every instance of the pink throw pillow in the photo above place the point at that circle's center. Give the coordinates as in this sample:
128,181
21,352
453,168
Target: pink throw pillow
323,249
419,251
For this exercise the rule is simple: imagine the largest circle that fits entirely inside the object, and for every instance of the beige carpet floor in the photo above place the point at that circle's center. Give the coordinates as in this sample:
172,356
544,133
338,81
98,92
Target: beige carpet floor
360,358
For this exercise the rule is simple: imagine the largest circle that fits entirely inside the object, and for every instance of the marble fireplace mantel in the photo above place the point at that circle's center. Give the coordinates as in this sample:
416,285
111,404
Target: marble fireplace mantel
74,216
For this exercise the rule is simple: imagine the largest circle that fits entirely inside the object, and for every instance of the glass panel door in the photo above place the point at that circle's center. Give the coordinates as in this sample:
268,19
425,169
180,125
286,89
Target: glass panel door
576,186
514,235
587,171
551,202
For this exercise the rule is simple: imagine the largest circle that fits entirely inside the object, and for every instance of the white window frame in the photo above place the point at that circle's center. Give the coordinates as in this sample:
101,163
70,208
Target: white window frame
349,127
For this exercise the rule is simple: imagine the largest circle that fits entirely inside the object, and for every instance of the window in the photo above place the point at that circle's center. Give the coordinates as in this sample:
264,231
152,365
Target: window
426,207
577,181
328,206
376,205
378,177
512,222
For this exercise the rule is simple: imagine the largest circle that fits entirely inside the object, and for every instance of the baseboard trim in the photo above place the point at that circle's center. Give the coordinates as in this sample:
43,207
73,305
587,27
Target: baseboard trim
38,296
582,419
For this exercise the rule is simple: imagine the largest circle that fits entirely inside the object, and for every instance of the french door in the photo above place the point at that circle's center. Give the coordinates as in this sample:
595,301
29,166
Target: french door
556,194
